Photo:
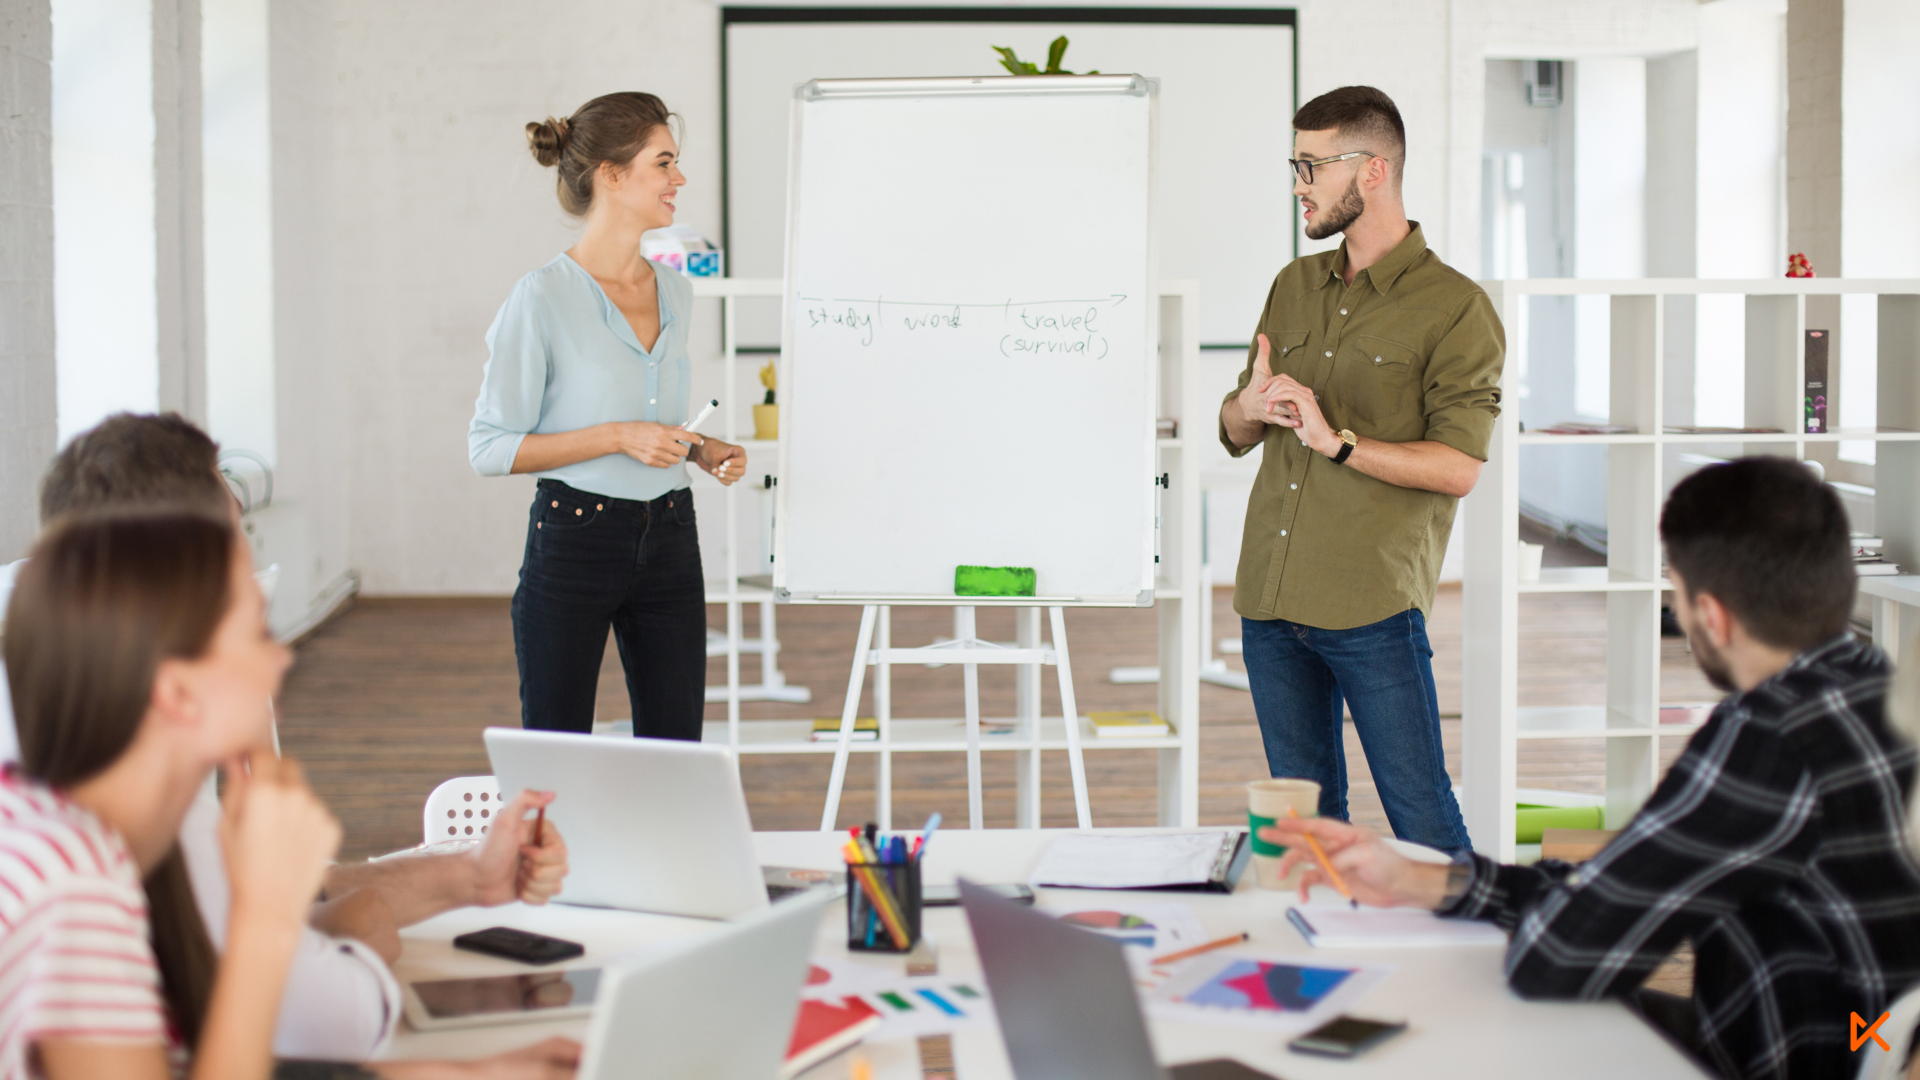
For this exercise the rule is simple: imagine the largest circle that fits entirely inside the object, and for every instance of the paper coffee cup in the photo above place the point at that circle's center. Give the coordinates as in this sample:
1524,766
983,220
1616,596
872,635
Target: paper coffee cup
1267,802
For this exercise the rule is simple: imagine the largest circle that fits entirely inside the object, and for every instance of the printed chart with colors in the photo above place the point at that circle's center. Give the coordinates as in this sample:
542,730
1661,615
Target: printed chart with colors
1266,987
1118,925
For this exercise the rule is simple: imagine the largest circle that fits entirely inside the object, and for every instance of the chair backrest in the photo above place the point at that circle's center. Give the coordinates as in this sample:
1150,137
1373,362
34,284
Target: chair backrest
1898,1031
462,809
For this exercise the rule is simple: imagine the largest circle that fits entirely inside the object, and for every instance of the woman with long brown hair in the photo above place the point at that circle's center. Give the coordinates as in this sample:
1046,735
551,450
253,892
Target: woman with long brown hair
586,388
139,659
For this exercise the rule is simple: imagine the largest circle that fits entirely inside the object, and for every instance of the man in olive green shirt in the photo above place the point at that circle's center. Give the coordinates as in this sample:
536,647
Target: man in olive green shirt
1373,388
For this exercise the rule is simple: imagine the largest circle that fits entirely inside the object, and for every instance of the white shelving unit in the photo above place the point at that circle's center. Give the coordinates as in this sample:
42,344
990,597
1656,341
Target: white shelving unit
1177,598
1776,319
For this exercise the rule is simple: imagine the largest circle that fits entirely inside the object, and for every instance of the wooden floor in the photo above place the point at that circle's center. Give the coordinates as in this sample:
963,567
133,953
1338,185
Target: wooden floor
388,700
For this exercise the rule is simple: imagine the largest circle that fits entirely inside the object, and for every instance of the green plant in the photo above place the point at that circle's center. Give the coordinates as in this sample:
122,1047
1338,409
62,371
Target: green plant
1055,53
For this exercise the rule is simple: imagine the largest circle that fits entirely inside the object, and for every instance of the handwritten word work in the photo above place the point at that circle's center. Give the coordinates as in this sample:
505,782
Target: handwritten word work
1017,328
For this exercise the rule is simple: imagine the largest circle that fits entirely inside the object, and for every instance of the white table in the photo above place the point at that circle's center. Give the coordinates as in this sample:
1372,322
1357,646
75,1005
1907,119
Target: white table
1464,1021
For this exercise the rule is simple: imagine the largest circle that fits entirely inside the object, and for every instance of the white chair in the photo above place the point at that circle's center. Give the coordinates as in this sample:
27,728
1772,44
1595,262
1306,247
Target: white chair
461,809
1898,1031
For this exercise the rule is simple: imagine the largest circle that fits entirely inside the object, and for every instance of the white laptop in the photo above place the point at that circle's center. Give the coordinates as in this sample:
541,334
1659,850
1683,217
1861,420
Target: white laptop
651,824
718,1006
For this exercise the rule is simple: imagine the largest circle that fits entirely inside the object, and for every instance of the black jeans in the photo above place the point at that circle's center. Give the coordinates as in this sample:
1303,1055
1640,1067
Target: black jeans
594,562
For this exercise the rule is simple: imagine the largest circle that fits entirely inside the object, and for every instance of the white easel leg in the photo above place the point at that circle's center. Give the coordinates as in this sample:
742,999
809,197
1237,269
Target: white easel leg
963,629
856,680
883,711
1070,712
1027,710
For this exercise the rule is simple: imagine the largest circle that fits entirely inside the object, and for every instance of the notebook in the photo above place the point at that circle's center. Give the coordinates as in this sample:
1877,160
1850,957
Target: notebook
1127,725
1210,861
1383,928
823,1029
865,729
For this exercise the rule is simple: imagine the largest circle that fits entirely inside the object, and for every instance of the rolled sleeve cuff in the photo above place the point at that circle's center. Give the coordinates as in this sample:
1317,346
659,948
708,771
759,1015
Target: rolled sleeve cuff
493,452
1225,439
1466,428
1486,894
340,1004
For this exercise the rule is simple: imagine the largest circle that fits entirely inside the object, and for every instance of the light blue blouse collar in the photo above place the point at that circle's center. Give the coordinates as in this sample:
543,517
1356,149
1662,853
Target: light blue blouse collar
616,321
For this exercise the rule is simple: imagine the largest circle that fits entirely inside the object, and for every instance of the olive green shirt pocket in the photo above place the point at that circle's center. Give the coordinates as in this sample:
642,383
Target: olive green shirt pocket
1376,384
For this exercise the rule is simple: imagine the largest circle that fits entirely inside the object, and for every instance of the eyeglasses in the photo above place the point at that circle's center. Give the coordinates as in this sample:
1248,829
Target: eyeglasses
1304,169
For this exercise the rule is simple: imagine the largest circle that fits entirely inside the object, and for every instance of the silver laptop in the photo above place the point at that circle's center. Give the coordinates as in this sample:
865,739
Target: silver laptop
1065,998
650,824
718,1006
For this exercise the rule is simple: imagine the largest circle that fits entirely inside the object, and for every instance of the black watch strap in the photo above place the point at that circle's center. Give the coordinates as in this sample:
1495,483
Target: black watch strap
1346,451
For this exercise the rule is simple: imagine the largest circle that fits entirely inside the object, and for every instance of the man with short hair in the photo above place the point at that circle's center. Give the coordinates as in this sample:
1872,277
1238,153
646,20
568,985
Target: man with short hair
1775,842
1373,389
341,1001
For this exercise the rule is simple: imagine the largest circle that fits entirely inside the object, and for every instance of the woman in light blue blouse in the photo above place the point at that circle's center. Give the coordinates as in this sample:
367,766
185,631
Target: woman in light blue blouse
586,388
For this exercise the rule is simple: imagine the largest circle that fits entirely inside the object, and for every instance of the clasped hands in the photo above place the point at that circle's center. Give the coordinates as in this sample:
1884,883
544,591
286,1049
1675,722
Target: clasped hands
1281,400
661,445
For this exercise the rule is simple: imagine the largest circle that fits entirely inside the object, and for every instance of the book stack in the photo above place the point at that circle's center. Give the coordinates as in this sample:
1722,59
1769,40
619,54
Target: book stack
1576,427
1870,557
865,729
1127,725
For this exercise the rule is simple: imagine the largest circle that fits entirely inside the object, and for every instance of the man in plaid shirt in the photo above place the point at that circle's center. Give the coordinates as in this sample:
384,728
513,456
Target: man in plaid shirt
1775,842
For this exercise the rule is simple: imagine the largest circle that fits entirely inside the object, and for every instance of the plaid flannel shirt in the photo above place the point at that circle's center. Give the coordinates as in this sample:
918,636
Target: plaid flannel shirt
1776,843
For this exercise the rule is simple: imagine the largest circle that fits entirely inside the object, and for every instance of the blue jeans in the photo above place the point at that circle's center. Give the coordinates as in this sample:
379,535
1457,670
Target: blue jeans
1300,676
594,562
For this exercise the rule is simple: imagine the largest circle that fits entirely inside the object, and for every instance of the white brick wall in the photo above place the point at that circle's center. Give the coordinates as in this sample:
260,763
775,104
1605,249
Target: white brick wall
26,267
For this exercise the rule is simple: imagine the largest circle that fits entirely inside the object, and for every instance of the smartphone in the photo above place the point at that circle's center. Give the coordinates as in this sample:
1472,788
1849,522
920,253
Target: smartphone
1345,1037
949,895
504,941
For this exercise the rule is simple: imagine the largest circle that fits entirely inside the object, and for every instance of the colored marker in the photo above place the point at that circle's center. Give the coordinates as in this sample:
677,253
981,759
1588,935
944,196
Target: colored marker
945,1006
965,991
702,417
895,1000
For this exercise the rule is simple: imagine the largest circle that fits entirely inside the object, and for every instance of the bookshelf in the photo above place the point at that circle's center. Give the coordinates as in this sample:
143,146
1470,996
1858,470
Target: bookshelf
1628,719
1177,597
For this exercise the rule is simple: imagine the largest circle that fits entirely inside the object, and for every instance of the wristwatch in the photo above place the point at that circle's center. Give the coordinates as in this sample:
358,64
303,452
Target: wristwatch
1348,441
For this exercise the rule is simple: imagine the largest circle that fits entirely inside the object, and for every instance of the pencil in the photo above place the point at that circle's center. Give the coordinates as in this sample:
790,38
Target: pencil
1320,856
1198,949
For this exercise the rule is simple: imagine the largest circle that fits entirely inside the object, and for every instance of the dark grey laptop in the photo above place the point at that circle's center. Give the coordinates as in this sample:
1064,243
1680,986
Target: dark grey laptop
1065,999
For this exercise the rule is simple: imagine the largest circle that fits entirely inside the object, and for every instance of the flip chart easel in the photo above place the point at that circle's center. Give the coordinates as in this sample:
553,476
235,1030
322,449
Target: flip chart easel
969,651
967,337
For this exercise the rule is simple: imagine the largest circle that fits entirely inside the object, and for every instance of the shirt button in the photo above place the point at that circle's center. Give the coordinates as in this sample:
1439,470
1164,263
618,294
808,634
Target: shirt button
1376,359
1283,532
1295,487
1343,311
650,401
1329,352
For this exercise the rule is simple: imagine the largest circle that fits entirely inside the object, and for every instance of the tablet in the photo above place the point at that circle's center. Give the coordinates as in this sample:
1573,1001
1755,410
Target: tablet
501,999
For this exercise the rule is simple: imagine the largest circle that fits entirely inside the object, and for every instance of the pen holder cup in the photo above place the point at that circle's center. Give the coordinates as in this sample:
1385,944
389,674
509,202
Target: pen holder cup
867,924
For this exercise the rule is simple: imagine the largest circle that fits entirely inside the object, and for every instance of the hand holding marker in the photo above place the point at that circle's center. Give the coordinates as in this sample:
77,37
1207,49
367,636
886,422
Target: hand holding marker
690,425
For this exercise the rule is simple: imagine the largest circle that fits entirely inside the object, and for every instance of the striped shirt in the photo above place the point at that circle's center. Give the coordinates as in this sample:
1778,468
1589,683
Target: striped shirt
75,961
1776,843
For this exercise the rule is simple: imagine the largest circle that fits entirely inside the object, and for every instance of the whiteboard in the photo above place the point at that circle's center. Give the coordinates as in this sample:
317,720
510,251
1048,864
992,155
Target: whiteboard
968,359
1226,108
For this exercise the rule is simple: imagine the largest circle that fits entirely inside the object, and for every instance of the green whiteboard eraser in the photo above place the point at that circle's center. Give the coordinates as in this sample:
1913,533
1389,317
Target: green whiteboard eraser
993,581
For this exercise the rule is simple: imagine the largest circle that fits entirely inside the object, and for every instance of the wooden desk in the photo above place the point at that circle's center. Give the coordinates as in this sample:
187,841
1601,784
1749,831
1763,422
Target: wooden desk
1464,1021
